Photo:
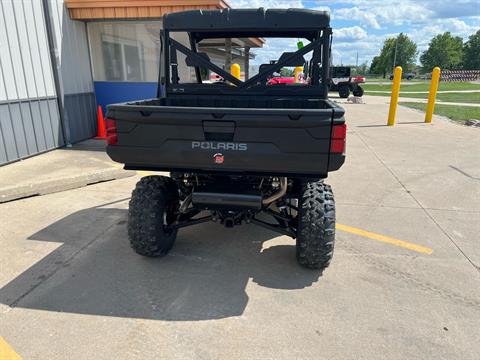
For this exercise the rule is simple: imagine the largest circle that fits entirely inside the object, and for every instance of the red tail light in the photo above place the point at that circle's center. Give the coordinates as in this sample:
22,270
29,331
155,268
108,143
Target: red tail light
112,138
339,136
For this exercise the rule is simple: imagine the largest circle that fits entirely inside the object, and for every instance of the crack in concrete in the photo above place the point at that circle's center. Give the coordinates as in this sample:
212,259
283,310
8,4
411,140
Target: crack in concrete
464,173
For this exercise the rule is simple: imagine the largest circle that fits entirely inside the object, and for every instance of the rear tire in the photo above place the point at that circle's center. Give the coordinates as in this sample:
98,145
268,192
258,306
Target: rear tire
358,91
343,91
152,208
316,226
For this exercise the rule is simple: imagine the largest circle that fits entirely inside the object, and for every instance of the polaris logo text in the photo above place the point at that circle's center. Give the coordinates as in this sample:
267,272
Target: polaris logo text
210,145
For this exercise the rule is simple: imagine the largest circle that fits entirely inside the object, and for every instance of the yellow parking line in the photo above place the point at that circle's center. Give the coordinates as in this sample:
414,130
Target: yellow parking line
385,239
6,351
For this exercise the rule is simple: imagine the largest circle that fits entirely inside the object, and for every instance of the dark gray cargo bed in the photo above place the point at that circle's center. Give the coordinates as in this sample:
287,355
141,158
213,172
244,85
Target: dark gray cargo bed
254,136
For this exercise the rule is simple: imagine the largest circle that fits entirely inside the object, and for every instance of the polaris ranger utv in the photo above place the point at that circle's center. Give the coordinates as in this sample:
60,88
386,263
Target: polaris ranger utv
237,151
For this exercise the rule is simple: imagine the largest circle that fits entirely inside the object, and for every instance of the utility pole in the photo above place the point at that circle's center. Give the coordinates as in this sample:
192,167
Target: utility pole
356,63
395,55
228,54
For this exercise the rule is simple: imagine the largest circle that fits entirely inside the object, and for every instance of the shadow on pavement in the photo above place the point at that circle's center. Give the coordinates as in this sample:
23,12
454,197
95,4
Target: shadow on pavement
204,277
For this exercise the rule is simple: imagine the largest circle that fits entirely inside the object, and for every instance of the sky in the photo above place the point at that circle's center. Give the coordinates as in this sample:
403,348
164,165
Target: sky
362,25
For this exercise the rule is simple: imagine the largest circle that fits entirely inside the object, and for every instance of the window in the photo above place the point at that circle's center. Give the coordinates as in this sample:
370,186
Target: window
125,51
122,59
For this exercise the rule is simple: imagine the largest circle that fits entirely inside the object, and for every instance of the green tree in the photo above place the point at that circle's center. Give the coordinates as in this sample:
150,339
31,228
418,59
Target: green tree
445,51
286,72
471,52
399,51
374,66
361,69
406,53
387,56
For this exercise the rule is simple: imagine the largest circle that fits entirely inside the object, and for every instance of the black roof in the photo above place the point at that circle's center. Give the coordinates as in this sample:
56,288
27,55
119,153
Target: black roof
248,22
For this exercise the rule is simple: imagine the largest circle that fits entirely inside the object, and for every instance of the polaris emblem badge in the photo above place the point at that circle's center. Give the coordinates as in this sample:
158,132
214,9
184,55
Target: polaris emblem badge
213,145
218,158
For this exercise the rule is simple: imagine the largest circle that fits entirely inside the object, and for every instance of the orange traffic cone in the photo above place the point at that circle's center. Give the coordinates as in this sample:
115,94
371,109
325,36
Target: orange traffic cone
101,127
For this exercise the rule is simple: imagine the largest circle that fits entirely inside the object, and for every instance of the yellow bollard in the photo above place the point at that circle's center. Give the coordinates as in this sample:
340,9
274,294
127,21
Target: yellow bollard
433,94
397,77
296,73
235,70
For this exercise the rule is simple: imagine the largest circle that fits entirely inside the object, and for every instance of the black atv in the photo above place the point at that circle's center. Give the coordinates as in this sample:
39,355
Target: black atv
342,81
235,149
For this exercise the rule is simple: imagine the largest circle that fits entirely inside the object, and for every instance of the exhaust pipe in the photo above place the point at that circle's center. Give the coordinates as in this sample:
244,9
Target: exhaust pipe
281,192
227,201
224,200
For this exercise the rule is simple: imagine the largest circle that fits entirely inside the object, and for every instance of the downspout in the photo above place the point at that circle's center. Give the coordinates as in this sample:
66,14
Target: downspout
57,76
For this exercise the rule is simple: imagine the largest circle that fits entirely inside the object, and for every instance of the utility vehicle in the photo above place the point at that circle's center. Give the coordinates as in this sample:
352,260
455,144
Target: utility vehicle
343,82
237,151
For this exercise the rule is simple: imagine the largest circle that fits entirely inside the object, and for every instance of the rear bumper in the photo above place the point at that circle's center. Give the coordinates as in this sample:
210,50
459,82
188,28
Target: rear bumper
262,159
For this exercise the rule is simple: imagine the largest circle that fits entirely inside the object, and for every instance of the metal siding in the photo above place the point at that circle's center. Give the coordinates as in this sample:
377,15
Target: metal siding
75,72
15,84
38,126
55,122
29,117
43,56
3,149
9,151
29,114
48,119
18,130
80,109
29,130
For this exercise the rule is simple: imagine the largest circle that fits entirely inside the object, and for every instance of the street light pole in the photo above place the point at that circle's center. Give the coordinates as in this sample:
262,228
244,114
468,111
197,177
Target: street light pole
395,55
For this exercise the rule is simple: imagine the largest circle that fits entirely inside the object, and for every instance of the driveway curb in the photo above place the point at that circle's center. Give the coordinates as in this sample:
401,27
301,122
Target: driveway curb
11,193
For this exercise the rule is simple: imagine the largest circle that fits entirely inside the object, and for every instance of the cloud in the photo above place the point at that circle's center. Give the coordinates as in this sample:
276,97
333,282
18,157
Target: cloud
355,13
350,33
423,34
285,4
323,8
363,25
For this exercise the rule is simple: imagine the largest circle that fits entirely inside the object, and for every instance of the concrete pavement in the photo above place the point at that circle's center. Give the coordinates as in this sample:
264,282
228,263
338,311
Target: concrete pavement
70,286
67,168
377,99
427,92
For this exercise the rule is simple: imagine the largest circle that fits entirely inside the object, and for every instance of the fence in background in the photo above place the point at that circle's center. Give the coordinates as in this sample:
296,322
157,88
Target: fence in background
460,75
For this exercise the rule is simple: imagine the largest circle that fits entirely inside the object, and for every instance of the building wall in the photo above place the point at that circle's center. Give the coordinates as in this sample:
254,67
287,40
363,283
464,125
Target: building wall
30,119
29,116
77,92
125,58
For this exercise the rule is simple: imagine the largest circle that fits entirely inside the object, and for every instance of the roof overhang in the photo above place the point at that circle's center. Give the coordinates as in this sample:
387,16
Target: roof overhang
136,9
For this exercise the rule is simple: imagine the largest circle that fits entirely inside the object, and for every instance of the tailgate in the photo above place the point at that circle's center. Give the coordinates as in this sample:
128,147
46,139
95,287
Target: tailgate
256,141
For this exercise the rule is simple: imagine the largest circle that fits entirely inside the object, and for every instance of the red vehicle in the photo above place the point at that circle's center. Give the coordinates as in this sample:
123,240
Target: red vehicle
281,80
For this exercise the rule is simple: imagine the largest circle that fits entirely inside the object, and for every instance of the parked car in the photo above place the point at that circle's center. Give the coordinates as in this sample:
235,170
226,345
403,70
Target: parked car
408,76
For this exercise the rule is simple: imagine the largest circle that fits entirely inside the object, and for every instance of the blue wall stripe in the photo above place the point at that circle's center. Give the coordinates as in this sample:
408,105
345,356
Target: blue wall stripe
112,92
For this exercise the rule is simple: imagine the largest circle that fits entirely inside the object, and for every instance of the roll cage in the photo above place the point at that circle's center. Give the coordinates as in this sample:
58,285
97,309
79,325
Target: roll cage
244,23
